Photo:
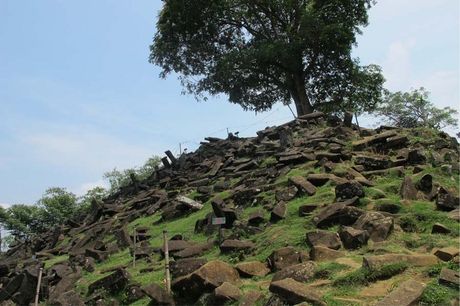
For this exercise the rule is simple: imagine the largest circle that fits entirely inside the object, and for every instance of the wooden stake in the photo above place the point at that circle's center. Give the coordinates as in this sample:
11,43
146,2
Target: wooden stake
357,123
166,250
37,294
220,234
134,247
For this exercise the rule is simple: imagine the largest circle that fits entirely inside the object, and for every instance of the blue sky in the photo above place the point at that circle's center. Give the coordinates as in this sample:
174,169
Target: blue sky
78,97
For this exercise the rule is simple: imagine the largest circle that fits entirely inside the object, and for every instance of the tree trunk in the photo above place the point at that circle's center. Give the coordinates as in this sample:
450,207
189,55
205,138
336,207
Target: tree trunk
299,95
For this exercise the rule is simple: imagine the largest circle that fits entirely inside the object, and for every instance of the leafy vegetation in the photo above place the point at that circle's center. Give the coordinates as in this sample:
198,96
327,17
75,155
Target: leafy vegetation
414,109
436,294
121,178
263,52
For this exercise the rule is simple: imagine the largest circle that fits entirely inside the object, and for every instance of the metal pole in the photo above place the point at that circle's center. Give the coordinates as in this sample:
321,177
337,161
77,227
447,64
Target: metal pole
166,249
37,294
180,148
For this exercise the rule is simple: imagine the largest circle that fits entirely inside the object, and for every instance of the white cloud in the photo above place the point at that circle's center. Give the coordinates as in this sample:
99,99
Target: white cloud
5,205
444,87
397,65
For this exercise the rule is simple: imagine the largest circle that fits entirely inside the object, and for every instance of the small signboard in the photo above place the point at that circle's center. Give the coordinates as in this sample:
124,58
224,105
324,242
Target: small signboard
218,221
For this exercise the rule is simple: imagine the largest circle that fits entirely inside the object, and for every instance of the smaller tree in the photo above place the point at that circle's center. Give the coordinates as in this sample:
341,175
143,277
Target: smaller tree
58,205
84,202
22,220
414,109
118,179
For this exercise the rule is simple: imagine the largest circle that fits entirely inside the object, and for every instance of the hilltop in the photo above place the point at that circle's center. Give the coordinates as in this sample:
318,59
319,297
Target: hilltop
317,211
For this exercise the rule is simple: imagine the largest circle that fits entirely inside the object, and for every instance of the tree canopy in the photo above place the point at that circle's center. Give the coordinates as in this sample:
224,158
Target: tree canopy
259,52
414,109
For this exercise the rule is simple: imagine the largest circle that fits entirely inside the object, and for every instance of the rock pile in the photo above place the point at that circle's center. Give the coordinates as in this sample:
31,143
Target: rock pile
232,175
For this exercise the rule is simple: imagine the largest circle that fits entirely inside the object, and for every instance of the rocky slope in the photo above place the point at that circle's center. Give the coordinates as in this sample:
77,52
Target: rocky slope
316,212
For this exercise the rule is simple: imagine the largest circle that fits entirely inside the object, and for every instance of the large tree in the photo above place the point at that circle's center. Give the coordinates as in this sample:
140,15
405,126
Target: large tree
260,52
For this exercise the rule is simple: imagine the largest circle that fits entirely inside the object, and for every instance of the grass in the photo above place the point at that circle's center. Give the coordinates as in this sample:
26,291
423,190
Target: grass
418,215
268,162
55,260
436,294
426,215
301,170
364,276
328,270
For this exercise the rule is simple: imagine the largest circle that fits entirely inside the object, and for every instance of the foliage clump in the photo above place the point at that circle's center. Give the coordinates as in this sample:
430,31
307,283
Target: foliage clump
414,109
364,276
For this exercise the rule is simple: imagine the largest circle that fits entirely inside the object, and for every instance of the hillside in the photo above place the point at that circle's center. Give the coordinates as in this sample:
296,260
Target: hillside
316,212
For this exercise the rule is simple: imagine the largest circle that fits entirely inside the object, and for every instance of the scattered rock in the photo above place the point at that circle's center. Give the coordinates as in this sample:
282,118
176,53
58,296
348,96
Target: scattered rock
338,213
175,246
286,194
408,190
193,251
251,298
208,277
69,298
388,207
449,278
319,179
186,266
112,283
306,210
302,272
227,292
417,260
323,238
353,238
158,295
349,190
295,292
439,228
285,257
446,254
416,157
446,201
407,294
376,224
303,185
252,268
278,212
231,245
256,218
320,253
426,183
372,140
373,163
454,215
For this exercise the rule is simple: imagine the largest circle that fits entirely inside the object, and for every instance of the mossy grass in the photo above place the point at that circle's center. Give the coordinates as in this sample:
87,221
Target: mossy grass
55,260
364,276
328,270
437,294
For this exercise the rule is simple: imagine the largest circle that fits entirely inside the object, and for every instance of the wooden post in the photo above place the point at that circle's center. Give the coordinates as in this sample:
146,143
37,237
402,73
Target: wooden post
166,250
357,124
220,234
37,294
134,247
